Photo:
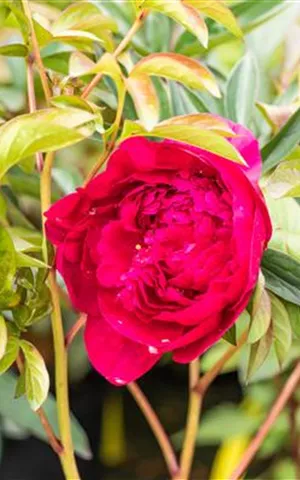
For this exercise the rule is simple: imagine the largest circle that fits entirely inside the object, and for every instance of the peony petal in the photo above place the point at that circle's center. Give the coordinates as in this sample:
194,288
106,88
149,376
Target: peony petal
81,288
117,358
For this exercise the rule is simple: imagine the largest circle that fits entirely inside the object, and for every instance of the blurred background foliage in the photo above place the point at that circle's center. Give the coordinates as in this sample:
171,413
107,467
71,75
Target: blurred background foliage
258,76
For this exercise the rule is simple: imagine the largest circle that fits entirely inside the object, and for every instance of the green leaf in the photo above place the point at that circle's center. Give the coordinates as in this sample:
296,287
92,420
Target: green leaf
43,131
281,329
230,335
14,50
19,411
145,99
80,64
282,274
187,16
216,10
294,316
179,68
276,115
83,16
36,375
283,143
8,260
24,260
225,421
242,90
260,312
3,337
11,353
285,181
192,134
285,213
258,353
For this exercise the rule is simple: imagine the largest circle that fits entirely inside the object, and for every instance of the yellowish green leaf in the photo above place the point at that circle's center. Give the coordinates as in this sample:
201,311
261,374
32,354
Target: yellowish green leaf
218,11
43,131
285,181
145,99
191,134
277,115
11,353
36,375
281,329
285,213
203,121
3,337
179,68
80,64
261,312
259,352
186,15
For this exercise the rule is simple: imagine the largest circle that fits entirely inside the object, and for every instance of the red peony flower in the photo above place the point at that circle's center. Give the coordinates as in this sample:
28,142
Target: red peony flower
162,251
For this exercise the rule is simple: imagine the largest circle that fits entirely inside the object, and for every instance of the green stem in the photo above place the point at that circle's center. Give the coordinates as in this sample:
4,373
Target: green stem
120,48
36,52
67,457
194,410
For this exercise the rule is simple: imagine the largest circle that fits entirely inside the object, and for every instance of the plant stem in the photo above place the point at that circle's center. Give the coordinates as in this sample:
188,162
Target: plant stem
278,406
53,441
194,410
293,407
61,370
123,44
107,151
61,381
32,104
156,426
208,378
198,388
36,52
74,330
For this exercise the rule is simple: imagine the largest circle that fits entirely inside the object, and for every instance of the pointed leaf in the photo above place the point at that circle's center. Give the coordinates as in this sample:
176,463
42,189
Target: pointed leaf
145,99
11,353
283,143
281,328
179,68
3,337
242,90
193,135
18,410
216,10
43,131
261,317
24,260
285,213
203,121
8,259
276,115
36,375
82,16
80,64
282,274
187,16
285,181
294,317
258,353
14,50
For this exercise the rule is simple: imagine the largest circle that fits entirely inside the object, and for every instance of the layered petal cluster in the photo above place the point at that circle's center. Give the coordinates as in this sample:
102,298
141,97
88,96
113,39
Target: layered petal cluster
162,251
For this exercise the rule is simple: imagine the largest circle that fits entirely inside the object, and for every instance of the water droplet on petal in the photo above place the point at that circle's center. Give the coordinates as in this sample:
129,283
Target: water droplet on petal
93,211
119,381
138,246
120,322
153,350
58,219
165,340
